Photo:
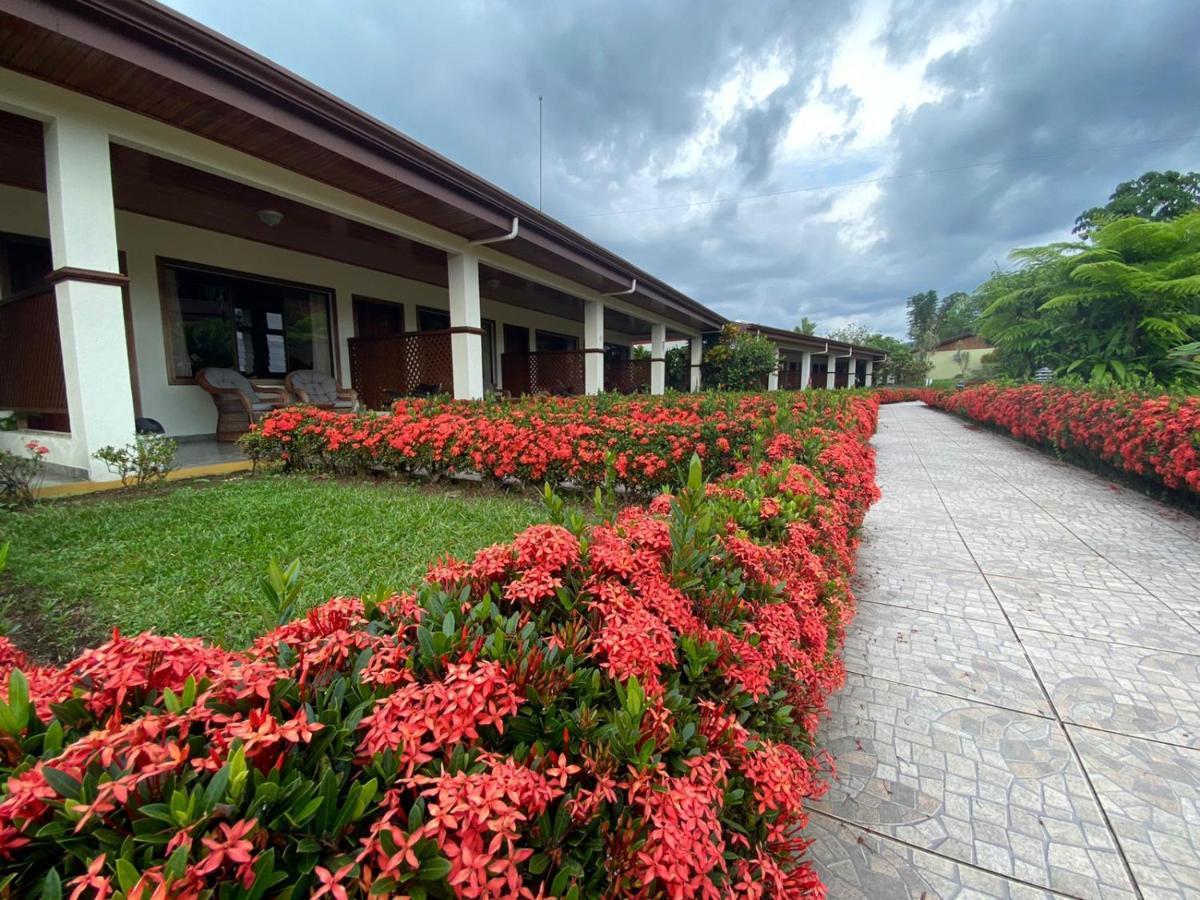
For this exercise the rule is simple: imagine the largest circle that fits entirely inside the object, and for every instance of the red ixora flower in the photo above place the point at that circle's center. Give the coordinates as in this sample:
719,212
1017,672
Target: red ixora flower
91,880
720,602
232,848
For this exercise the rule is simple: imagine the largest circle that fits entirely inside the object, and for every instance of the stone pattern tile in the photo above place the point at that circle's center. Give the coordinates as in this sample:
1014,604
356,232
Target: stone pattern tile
965,595
1151,793
857,865
965,657
1132,690
1120,618
1023,713
995,788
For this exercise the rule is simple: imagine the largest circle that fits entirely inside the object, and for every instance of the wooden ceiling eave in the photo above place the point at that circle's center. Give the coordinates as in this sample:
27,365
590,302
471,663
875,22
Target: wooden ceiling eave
157,63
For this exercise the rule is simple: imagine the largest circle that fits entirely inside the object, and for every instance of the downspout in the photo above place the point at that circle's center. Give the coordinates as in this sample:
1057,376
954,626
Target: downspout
632,290
516,226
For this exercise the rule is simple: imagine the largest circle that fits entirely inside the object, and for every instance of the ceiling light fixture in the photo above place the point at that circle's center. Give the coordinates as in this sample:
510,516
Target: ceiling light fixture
270,217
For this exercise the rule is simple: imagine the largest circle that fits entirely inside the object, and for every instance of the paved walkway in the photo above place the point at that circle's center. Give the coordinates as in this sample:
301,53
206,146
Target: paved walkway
1022,713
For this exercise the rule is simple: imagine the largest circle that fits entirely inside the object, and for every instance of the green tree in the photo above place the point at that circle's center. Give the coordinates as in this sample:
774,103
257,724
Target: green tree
1156,196
806,326
922,316
902,362
853,333
958,314
679,367
1123,307
932,320
739,361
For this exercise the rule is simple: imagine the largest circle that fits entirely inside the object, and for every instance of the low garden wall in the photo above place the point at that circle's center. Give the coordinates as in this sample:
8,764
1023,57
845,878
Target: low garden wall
1156,437
625,708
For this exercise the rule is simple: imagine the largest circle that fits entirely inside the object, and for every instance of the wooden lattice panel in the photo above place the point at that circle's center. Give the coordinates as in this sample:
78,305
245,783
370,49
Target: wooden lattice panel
384,368
31,367
627,376
558,372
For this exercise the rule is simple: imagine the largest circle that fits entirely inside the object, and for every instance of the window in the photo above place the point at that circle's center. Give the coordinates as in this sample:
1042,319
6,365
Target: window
24,261
516,339
262,328
548,340
377,318
432,319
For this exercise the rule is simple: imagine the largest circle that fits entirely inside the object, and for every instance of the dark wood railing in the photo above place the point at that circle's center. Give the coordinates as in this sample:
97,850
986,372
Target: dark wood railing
790,380
383,369
31,367
559,372
627,376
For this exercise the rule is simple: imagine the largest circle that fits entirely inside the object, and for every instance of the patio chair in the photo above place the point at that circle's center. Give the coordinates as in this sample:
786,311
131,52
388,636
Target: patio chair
319,389
239,403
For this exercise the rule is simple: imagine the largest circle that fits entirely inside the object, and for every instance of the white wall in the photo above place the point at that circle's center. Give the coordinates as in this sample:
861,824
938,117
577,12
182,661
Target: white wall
187,409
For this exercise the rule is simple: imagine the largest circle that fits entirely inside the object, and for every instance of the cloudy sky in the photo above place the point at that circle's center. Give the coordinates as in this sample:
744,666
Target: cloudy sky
875,147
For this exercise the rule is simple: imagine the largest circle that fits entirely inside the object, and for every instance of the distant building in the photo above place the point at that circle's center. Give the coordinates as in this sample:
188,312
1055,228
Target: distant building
957,357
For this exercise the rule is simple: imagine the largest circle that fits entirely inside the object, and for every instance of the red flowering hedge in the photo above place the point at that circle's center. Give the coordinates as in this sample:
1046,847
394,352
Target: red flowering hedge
904,394
643,443
621,709
1157,437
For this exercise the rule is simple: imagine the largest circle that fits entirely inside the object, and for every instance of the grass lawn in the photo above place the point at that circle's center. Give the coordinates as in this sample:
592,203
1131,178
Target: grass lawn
188,559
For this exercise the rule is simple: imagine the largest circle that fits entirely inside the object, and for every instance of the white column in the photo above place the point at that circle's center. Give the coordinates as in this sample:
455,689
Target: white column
830,371
805,368
870,373
658,359
593,346
773,377
343,312
851,372
697,356
466,345
498,375
91,319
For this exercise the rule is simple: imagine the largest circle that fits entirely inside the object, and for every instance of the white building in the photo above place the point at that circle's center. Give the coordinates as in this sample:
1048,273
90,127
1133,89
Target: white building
170,201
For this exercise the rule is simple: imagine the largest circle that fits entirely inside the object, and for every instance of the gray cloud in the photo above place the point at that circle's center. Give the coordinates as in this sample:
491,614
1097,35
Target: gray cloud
628,89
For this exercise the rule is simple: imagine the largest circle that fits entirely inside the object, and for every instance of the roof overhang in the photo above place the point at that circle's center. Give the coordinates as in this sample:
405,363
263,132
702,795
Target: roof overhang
811,343
149,59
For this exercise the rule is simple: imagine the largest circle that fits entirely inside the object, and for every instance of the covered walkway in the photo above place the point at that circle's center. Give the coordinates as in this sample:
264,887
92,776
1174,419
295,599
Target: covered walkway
1022,713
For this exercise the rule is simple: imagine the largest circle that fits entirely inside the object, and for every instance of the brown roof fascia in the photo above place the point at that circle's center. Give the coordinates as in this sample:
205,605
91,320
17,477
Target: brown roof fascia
812,341
170,44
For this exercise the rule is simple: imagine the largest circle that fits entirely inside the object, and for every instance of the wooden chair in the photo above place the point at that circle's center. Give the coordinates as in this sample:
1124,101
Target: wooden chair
319,389
239,403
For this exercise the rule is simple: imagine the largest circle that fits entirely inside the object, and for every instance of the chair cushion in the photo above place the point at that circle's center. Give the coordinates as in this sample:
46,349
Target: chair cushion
319,387
229,379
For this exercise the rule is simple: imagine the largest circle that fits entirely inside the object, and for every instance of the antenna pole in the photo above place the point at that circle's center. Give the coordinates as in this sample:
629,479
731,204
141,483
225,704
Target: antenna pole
539,151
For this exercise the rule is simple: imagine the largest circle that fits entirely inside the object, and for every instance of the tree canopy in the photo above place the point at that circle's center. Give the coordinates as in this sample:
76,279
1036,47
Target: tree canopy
1156,196
1124,305
806,326
740,361
932,320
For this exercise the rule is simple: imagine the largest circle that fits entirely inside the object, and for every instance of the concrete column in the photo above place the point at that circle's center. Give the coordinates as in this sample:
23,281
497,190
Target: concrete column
498,375
851,372
658,359
697,356
593,346
343,312
773,377
805,368
870,373
466,339
830,371
91,319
